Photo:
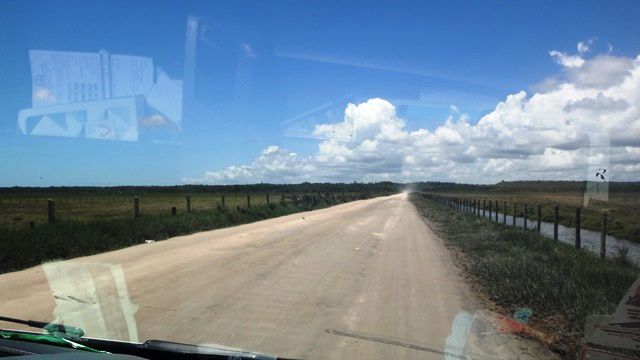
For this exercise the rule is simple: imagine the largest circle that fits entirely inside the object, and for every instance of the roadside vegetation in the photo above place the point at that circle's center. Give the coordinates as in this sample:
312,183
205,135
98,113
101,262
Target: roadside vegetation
68,237
623,205
517,268
21,205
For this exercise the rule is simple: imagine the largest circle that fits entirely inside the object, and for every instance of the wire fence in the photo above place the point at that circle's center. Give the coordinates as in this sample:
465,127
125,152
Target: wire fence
29,212
532,217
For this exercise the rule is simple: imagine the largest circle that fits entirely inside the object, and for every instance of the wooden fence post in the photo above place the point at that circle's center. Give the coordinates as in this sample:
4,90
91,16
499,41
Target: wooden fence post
248,201
603,237
526,215
484,208
51,211
578,240
504,214
136,206
492,214
188,203
282,198
222,201
497,209
514,214
268,199
490,218
173,211
556,220
539,218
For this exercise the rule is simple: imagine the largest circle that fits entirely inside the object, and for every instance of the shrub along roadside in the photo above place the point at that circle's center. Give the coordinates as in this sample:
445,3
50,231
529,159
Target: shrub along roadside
518,268
20,249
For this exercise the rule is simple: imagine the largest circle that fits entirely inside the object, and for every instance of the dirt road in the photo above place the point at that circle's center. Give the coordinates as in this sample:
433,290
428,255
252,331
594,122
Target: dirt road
363,280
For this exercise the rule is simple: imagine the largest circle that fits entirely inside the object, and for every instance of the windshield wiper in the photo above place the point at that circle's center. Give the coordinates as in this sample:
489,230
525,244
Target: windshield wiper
51,328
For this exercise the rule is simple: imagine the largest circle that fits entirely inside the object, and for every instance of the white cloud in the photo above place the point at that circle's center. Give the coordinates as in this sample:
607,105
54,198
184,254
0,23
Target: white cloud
582,47
545,135
271,149
585,46
274,165
556,159
601,72
448,135
566,60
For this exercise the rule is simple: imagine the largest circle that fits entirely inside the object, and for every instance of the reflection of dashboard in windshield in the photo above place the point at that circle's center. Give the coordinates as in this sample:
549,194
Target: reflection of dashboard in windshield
128,98
99,96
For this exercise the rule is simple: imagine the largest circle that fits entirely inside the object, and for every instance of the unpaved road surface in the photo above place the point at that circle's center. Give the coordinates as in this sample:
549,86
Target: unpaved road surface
362,280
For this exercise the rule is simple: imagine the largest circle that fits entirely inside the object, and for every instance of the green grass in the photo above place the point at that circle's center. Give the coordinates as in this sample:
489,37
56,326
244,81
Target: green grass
519,268
68,238
17,211
622,208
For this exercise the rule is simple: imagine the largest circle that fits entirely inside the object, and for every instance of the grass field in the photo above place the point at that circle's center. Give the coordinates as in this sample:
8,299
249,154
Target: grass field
94,220
22,247
19,206
518,268
16,212
623,208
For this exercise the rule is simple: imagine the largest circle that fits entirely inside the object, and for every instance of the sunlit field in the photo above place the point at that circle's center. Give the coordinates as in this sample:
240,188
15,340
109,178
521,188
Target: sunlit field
622,206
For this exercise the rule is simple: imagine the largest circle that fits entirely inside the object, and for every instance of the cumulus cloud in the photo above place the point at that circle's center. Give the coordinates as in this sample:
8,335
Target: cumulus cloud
600,103
274,165
601,72
552,134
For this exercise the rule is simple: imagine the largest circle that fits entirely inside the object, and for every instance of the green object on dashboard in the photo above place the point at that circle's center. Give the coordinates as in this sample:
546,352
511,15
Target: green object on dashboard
48,339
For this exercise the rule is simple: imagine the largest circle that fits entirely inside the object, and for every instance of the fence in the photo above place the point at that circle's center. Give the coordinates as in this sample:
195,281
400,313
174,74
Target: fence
23,212
492,210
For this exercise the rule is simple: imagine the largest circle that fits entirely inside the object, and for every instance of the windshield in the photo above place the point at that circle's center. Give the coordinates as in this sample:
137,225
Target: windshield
440,179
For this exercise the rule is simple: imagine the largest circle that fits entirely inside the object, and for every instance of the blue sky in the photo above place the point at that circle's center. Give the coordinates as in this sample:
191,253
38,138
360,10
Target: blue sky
309,60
